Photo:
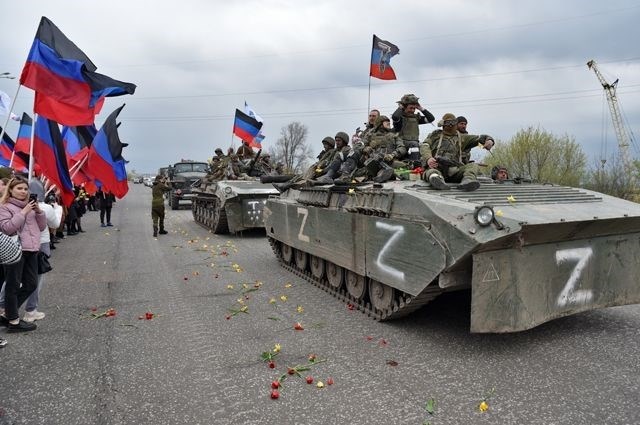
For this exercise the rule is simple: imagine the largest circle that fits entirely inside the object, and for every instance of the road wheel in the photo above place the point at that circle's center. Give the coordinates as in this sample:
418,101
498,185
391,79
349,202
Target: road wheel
287,253
302,259
317,267
219,220
335,275
355,285
381,295
175,203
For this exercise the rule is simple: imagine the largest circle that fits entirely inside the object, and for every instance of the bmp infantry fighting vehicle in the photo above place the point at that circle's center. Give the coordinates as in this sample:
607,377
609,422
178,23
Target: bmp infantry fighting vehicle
231,197
530,253
181,176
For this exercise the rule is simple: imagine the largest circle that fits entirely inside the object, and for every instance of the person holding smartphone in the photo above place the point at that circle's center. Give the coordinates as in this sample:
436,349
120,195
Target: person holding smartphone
20,215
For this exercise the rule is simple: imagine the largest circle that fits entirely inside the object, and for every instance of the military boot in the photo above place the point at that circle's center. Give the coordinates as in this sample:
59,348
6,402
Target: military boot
162,231
326,178
469,185
155,231
437,182
384,175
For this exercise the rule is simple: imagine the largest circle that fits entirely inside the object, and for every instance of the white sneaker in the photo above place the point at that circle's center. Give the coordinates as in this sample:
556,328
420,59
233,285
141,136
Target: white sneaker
32,316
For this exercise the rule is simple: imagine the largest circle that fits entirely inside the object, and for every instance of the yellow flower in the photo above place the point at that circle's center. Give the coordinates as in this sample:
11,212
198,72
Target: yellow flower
511,198
483,407
499,213
299,309
245,286
235,265
318,170
240,301
283,298
288,285
277,348
229,286
244,308
352,191
272,301
320,384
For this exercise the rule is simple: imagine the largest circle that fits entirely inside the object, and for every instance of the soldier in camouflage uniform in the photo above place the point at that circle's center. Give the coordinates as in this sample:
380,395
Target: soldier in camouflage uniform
383,151
406,123
316,170
449,144
462,128
343,163
361,135
158,189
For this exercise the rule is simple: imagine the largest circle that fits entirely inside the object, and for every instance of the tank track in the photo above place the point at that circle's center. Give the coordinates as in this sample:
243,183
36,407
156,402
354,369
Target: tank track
199,207
404,304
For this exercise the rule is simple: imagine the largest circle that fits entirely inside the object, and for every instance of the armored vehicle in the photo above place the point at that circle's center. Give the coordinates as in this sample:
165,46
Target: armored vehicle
181,176
225,206
529,253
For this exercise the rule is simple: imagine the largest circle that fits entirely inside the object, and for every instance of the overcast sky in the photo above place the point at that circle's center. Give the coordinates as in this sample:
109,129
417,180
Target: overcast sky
505,65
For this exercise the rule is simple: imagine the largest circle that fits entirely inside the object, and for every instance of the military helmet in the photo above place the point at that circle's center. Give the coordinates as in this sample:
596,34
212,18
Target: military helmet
448,119
378,122
329,141
344,136
409,99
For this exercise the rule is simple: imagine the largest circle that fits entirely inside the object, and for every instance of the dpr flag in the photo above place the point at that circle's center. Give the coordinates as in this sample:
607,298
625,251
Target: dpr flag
246,127
381,55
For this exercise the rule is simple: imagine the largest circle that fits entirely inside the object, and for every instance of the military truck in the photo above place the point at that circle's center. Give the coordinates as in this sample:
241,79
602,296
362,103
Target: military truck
528,252
181,176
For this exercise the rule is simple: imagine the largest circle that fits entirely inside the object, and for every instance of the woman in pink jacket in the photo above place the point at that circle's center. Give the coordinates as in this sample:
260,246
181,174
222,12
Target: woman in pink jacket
22,216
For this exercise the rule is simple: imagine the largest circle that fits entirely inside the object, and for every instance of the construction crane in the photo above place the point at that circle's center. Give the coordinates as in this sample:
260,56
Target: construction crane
618,124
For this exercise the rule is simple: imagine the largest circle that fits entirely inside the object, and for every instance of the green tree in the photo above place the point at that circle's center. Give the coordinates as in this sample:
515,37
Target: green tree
540,155
610,177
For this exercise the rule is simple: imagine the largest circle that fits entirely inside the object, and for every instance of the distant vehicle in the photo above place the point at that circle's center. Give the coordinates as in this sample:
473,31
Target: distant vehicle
181,176
138,180
148,181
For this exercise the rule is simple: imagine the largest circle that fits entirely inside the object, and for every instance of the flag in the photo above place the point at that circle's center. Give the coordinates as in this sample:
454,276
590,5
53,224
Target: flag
105,162
48,152
6,149
5,105
24,134
77,141
246,127
249,111
257,141
65,78
381,55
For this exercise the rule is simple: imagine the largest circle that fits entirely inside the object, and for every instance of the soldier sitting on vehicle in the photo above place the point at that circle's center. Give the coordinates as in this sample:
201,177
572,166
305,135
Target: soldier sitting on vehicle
343,163
382,153
316,170
441,153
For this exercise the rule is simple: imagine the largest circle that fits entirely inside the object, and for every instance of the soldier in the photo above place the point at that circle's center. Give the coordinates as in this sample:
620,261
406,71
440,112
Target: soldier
316,170
344,162
361,135
499,173
442,152
383,149
462,128
245,151
406,123
158,189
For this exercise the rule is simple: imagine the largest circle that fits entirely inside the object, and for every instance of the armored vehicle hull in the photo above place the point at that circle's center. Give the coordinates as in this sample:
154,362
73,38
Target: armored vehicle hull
230,205
529,253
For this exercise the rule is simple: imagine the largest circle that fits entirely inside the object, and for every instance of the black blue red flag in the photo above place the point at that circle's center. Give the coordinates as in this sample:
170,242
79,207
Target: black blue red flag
48,153
381,55
68,88
7,146
246,127
105,162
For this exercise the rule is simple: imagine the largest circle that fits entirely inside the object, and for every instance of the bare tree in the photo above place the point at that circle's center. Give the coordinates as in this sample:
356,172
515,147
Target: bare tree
292,149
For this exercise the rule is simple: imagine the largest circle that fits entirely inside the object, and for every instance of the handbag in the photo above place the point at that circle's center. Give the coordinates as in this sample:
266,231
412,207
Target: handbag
44,266
10,249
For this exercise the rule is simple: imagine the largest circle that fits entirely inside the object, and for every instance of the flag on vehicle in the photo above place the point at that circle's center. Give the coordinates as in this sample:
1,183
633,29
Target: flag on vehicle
68,88
249,111
246,127
105,162
381,55
48,152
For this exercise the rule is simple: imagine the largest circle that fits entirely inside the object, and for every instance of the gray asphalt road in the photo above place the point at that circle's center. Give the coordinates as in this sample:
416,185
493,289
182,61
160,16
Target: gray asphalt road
190,365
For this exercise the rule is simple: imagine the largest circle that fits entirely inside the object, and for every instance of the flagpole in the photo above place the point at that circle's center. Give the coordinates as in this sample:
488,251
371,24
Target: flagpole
33,132
369,98
78,165
6,122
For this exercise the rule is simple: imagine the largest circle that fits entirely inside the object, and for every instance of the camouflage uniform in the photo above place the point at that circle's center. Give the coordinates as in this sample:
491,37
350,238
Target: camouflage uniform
343,163
407,124
381,144
450,145
157,204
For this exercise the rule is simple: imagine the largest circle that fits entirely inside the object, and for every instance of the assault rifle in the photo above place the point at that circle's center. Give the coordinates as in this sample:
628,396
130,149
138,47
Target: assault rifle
253,162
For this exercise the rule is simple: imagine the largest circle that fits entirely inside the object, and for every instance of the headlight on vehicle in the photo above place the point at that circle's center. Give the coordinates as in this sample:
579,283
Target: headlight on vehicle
228,190
484,215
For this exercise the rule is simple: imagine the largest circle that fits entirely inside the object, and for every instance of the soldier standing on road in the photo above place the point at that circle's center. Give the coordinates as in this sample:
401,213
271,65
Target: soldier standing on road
406,123
158,189
447,145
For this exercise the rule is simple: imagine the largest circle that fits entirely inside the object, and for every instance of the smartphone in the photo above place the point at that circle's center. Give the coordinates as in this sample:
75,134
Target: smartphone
33,197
